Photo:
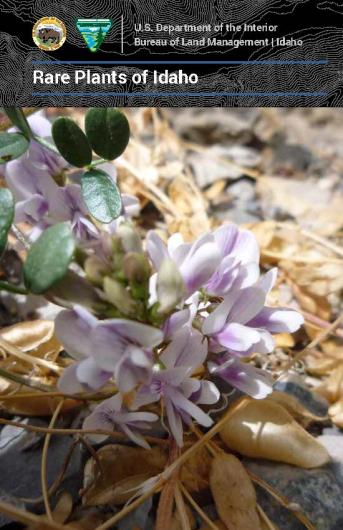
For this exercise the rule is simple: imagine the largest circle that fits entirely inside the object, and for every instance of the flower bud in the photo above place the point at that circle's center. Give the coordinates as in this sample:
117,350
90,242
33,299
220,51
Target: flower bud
95,269
120,297
170,286
130,239
136,267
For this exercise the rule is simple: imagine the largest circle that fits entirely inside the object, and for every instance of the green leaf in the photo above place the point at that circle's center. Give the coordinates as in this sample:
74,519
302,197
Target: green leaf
18,118
49,258
71,142
101,195
108,132
6,216
12,145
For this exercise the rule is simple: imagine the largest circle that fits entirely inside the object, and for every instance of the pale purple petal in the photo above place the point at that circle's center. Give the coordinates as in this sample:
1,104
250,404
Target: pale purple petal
68,383
225,237
20,178
248,274
133,369
208,394
247,305
134,435
216,320
74,330
267,281
156,249
175,422
175,322
90,375
237,337
278,320
131,205
190,387
40,125
187,348
199,265
177,249
133,332
246,248
31,210
108,347
172,377
254,382
184,404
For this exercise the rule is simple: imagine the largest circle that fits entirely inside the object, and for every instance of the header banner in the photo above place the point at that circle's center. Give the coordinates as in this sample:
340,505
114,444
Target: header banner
168,53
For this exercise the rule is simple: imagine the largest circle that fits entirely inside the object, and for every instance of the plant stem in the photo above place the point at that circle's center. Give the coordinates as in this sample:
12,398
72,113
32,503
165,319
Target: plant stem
10,288
46,144
44,482
97,163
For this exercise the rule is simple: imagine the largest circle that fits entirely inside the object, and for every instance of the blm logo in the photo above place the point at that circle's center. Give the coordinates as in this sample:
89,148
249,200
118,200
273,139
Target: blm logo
93,31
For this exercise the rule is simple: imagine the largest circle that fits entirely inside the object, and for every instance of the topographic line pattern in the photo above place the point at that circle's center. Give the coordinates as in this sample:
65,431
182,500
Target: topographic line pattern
317,24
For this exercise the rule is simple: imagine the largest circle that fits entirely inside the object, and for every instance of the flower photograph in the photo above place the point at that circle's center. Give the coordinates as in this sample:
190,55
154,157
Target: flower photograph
171,318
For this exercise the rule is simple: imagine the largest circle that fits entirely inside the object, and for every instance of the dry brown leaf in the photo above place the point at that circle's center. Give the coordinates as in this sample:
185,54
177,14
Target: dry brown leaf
312,270
176,521
330,361
336,413
28,335
63,508
195,472
233,493
332,388
34,406
297,198
324,361
191,207
123,468
89,522
35,338
264,429
284,340
218,523
60,513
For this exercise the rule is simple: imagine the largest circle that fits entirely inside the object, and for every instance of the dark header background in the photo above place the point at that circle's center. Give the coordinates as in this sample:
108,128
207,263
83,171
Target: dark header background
318,23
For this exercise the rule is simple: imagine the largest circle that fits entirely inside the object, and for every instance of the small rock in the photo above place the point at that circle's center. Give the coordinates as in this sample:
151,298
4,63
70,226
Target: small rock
243,190
334,446
208,167
20,462
212,125
4,520
315,491
139,518
294,386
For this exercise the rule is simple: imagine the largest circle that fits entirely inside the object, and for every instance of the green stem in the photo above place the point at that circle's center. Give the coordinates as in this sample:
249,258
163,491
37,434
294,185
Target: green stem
46,144
10,288
18,118
97,163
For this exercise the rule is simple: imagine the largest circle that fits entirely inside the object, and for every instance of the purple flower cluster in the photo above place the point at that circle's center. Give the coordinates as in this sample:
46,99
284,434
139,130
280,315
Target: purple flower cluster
41,202
218,321
177,316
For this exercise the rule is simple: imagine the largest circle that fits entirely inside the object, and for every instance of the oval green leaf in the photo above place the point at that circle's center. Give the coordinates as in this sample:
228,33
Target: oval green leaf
12,145
18,118
101,195
108,132
49,258
71,142
6,216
